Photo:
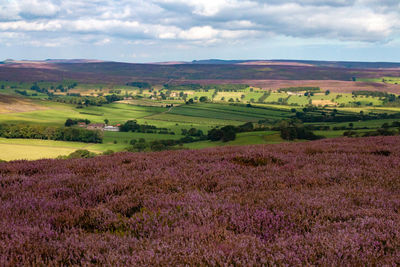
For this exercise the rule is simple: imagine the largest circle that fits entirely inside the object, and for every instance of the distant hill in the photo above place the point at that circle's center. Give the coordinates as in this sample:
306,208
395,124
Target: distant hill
333,64
204,72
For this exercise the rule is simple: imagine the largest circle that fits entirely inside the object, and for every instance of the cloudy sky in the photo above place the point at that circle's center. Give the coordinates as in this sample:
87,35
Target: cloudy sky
166,30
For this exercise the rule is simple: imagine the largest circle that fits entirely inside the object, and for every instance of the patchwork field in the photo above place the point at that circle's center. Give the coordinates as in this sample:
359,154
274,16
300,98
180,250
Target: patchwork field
177,98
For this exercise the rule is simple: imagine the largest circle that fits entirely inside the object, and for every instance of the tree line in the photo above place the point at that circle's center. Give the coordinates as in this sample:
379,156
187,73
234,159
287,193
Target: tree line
50,133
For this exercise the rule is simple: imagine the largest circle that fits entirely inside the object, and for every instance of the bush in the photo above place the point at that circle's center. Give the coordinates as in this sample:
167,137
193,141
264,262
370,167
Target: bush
108,152
80,154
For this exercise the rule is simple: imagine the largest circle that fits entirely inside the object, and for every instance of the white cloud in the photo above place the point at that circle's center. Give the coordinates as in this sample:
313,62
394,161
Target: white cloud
202,21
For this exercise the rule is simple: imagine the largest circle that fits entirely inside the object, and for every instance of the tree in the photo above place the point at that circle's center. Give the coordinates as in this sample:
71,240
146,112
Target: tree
203,99
69,122
215,134
228,133
327,92
106,121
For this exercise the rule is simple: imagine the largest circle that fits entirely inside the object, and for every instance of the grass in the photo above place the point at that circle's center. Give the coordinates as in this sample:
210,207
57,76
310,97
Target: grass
390,80
251,138
228,112
58,113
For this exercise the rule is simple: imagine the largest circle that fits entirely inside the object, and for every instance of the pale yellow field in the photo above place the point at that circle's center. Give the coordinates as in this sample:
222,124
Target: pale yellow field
228,95
323,102
31,149
15,152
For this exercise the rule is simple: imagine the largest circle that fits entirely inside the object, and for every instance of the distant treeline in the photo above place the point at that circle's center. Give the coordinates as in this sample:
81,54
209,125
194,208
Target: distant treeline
217,87
141,85
313,114
50,133
81,101
133,126
299,89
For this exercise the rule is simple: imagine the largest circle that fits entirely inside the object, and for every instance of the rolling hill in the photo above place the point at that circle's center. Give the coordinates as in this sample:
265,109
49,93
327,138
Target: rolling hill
204,71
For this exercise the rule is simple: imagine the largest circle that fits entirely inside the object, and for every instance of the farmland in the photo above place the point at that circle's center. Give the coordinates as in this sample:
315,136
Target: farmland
167,108
328,202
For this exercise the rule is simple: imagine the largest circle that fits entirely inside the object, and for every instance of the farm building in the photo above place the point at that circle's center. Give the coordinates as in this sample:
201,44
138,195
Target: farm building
110,128
96,126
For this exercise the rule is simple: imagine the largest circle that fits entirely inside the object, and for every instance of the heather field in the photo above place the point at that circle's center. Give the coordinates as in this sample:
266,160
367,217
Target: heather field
333,202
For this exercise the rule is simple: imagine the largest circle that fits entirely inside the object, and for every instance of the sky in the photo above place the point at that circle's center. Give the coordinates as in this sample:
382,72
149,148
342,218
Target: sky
185,30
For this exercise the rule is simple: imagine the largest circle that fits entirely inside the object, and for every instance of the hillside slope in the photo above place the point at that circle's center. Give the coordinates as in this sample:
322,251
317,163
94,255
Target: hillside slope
331,202
121,73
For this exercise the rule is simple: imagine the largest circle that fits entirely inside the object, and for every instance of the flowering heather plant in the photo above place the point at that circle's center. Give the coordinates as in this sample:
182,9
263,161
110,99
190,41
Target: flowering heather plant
330,202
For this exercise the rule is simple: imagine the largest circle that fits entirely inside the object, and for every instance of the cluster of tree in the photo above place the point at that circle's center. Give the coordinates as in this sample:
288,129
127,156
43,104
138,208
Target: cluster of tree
294,129
385,130
50,133
228,133
188,86
370,93
300,89
309,94
377,132
36,88
313,114
226,87
133,126
159,145
140,85
70,122
192,132
81,101
217,87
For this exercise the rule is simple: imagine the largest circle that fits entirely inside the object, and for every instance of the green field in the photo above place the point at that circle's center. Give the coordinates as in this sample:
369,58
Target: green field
390,80
251,138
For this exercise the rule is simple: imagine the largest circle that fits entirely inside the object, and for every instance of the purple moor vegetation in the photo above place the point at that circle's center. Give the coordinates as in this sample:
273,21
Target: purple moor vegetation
330,202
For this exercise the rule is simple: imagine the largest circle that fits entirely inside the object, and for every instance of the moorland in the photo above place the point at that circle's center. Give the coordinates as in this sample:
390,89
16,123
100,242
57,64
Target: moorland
329,202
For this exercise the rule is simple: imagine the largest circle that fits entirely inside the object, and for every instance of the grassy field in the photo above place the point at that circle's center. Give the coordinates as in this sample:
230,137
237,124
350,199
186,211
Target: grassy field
251,138
390,80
